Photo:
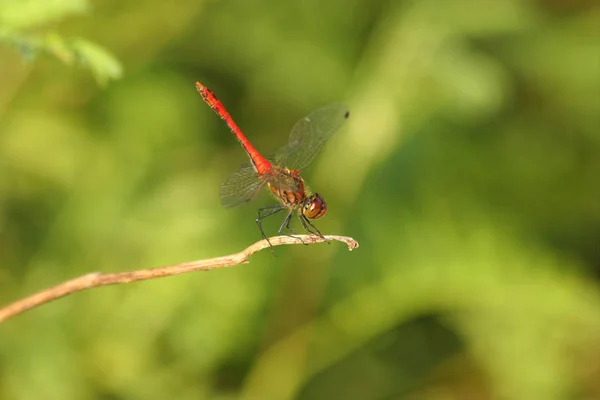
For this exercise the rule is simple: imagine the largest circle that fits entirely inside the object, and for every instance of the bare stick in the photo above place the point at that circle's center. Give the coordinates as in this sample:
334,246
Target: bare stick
97,279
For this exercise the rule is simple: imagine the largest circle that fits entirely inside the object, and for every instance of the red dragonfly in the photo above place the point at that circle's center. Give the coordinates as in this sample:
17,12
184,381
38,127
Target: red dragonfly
281,173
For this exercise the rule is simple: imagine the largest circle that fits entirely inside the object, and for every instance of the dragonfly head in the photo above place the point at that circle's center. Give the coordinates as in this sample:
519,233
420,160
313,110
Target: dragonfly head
314,207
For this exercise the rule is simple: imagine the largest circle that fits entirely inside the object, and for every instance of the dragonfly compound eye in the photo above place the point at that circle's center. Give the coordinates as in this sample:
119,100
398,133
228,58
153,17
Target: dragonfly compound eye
315,207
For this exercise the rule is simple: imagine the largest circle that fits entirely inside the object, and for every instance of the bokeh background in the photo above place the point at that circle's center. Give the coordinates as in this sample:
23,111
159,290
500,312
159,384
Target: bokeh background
469,173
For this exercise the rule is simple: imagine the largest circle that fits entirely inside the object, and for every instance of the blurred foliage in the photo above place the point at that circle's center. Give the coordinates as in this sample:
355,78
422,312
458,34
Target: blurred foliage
21,26
468,172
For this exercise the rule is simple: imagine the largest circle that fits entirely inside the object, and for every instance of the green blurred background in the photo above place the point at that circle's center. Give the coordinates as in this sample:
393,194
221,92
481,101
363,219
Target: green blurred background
468,172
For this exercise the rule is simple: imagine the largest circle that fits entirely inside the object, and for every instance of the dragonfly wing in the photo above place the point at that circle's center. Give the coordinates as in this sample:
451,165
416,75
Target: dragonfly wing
310,134
240,187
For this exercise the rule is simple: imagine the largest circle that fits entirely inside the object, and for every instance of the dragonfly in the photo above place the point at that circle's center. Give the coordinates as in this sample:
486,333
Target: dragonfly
281,172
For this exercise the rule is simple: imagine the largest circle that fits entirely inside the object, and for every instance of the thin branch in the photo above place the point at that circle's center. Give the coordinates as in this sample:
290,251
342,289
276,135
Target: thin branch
96,279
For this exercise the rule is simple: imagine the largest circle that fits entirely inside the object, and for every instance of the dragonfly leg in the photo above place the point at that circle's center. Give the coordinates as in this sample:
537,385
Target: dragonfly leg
268,211
310,227
286,225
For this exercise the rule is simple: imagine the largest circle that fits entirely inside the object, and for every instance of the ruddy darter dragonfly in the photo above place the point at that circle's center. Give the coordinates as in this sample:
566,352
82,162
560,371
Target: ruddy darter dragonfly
282,173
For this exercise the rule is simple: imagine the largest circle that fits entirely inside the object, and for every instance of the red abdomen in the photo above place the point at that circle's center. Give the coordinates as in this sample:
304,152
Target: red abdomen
260,163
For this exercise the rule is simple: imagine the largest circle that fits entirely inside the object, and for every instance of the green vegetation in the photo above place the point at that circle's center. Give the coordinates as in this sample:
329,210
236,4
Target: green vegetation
469,173
22,25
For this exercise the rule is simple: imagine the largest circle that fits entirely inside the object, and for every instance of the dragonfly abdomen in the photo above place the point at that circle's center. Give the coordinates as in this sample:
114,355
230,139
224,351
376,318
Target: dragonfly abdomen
260,163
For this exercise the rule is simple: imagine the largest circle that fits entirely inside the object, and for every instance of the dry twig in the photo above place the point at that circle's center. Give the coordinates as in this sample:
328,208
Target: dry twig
96,279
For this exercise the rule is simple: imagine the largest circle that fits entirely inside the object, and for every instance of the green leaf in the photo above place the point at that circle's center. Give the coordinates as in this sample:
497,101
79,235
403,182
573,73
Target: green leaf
17,17
20,14
103,65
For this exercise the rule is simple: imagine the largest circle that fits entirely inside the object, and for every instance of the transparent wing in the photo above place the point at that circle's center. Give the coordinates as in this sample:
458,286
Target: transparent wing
240,187
310,134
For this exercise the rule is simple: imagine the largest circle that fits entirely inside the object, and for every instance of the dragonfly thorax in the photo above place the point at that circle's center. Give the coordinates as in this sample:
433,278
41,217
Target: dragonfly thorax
288,186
